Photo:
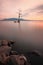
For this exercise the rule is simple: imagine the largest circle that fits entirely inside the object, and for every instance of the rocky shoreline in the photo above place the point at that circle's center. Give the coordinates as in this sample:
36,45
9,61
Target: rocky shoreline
8,56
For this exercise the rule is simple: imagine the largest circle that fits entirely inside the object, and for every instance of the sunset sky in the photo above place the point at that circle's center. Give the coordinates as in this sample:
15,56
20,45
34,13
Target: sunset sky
31,9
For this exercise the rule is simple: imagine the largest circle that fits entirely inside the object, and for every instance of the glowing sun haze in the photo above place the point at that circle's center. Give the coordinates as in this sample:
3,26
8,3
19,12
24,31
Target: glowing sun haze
31,9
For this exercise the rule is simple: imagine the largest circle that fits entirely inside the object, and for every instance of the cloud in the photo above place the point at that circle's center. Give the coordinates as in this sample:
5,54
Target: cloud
39,7
40,12
36,10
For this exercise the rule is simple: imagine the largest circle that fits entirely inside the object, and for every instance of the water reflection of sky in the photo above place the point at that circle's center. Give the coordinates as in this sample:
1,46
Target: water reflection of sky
29,33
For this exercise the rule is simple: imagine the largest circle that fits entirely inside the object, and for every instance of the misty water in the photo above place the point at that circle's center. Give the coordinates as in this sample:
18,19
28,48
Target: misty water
27,34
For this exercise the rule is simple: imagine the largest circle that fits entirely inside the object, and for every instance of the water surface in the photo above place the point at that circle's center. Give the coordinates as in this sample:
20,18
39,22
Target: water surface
27,34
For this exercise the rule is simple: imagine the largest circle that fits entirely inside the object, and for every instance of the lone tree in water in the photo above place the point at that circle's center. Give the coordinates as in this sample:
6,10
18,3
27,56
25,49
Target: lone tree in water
19,15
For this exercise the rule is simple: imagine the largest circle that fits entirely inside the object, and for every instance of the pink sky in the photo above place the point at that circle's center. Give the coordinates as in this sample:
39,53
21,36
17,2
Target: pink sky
32,9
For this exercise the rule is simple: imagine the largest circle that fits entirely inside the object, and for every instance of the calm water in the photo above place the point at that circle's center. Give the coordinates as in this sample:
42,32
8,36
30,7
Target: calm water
27,34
